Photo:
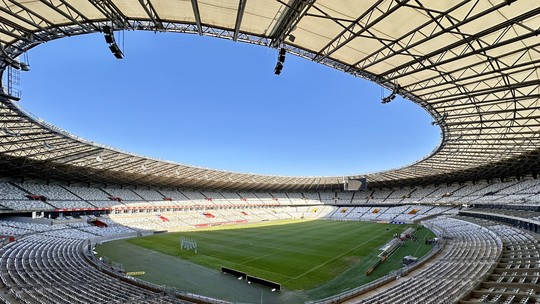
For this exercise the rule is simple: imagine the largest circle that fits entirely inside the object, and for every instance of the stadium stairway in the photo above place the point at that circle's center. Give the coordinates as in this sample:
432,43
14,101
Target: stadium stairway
515,278
49,268
470,253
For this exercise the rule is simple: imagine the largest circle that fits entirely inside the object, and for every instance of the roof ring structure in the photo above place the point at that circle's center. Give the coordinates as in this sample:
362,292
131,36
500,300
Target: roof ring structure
471,64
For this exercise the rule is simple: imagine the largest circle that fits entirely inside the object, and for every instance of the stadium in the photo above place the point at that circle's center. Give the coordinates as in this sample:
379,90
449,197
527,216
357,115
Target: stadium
82,222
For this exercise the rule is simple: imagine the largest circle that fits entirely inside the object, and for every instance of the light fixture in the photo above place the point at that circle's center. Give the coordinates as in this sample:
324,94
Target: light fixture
116,51
281,60
388,98
282,53
8,132
107,30
440,119
24,66
48,146
109,35
392,96
14,63
109,38
278,68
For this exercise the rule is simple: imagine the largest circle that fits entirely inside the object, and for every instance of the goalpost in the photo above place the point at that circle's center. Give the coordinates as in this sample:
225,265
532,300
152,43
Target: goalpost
188,244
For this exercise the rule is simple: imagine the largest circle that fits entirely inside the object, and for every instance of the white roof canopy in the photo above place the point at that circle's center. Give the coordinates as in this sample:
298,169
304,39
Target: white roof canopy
473,65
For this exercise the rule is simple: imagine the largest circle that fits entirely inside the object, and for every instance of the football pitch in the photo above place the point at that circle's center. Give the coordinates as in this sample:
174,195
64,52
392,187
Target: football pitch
310,259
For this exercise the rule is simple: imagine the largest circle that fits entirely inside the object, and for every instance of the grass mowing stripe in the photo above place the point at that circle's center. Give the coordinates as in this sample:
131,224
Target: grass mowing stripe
339,256
299,254
260,257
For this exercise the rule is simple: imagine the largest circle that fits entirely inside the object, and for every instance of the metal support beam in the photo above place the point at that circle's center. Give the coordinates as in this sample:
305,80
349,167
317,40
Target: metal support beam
288,21
32,16
57,9
76,155
239,15
111,12
149,9
359,26
466,96
77,14
197,15
388,49
9,27
469,40
436,81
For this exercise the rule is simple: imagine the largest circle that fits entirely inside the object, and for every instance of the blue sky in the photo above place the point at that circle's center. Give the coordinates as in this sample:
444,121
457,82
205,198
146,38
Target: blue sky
216,103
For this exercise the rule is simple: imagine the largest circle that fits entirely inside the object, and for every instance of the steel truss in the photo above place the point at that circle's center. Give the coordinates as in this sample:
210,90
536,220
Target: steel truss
482,89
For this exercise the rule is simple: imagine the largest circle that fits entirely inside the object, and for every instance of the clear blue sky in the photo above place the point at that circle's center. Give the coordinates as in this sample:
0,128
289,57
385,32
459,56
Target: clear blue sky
216,103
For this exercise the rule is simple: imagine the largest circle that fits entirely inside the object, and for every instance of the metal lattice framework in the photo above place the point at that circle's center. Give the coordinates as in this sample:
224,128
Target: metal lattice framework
473,65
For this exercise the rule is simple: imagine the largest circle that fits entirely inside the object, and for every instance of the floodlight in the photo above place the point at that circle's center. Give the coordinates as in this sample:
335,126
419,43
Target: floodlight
278,68
119,55
281,59
388,98
9,132
440,120
116,51
109,39
48,146
392,96
25,67
282,53
107,30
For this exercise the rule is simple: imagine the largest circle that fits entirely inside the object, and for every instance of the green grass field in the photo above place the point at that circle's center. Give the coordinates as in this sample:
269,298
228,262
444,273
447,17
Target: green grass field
311,259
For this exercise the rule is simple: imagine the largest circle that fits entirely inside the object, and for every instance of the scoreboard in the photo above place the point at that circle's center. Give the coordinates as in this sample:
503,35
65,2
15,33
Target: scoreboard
355,184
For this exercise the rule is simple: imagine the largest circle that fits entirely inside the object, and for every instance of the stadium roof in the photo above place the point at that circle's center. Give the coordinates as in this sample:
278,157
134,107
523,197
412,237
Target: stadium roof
473,65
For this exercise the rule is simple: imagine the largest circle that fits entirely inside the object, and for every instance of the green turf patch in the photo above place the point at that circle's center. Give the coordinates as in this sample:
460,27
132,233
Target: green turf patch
313,258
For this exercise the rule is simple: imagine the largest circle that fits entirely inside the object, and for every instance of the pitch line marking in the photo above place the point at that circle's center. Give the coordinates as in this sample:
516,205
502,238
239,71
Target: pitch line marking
262,256
334,258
